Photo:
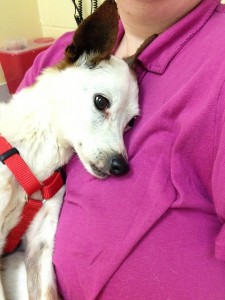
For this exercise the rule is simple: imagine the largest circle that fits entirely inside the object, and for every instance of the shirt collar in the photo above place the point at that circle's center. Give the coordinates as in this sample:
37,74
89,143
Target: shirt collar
157,56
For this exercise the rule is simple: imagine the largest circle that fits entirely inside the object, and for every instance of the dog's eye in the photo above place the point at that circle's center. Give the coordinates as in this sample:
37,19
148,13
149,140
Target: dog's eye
101,102
130,124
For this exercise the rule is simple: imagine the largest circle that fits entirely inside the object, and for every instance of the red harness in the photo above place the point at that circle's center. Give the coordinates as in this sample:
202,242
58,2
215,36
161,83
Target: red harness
10,156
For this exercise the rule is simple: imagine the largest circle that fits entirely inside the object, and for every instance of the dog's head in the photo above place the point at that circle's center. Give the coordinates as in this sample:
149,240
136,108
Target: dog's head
105,94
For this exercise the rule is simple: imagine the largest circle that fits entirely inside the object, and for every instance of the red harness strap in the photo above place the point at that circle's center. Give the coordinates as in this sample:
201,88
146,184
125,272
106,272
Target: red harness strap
10,157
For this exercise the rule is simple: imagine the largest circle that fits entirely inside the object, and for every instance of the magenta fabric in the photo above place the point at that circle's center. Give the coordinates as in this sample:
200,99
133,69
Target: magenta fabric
157,233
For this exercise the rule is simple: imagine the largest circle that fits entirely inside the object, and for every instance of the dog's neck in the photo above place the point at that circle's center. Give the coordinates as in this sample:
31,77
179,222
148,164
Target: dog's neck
27,124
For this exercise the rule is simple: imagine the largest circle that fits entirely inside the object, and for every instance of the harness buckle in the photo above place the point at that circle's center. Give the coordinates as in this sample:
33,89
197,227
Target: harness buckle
7,154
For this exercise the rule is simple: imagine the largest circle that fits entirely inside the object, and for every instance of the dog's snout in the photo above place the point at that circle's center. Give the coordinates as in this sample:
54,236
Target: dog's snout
119,166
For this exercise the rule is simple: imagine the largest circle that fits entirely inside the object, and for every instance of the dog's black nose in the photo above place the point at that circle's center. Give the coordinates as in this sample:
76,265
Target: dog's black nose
119,166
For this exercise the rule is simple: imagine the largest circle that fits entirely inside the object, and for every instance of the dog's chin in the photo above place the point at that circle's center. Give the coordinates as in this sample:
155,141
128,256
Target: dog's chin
100,173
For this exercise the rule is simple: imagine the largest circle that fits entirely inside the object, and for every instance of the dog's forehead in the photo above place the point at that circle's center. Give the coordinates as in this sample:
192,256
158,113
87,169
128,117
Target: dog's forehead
115,77
115,68
111,78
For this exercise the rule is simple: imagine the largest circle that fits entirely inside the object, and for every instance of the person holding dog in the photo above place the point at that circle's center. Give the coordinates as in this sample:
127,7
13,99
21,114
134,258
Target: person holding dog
157,232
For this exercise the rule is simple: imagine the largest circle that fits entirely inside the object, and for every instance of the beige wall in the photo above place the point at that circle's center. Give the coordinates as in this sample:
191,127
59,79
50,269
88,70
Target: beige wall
35,18
57,17
2,78
19,18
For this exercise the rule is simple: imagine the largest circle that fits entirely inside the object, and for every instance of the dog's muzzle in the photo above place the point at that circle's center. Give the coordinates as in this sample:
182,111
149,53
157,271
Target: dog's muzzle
116,165
119,166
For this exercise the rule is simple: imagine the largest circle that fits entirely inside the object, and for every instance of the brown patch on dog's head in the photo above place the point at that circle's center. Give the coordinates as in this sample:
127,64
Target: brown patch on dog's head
95,35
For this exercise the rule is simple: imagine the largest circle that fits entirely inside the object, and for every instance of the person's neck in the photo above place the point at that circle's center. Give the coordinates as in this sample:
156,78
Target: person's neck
142,19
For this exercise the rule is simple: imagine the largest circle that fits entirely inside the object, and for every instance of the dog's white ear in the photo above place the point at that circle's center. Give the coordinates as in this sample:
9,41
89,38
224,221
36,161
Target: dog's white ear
96,35
131,60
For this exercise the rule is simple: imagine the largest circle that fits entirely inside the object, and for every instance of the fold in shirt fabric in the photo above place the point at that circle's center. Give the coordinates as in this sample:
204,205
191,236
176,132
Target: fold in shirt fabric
154,233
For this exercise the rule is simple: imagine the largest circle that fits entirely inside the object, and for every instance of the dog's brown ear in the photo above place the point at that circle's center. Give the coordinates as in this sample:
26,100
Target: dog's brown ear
95,35
131,60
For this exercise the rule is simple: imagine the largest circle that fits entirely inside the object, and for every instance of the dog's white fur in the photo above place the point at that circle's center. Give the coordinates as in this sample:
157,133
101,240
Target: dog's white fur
47,123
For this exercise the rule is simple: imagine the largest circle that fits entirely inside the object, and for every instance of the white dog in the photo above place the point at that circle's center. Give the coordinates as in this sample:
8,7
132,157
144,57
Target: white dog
83,105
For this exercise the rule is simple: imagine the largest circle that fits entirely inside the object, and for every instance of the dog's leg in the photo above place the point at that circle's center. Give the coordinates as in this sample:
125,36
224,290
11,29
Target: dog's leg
39,251
14,277
6,188
2,296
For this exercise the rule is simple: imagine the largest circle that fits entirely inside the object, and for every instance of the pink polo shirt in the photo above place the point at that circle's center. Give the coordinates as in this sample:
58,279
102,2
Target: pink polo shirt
156,233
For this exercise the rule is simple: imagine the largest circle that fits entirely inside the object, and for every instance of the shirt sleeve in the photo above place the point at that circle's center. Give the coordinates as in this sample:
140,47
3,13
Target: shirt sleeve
218,173
53,55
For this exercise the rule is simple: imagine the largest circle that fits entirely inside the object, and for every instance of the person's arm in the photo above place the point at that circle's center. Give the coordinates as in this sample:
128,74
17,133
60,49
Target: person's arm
47,58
